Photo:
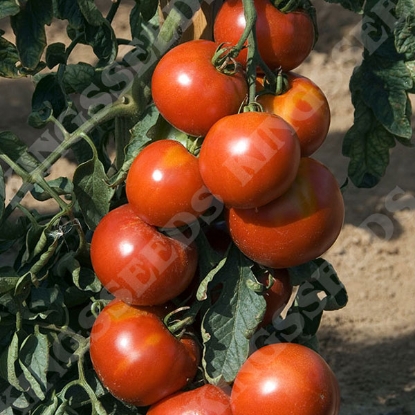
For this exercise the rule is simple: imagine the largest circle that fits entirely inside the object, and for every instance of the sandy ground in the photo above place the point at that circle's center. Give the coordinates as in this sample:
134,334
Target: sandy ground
370,344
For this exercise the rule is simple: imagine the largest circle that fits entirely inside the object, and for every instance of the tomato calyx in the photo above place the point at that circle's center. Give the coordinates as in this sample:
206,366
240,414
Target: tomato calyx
178,326
224,60
277,85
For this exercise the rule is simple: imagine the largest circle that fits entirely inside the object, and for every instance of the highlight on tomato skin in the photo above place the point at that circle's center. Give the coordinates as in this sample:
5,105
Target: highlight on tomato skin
164,186
203,400
137,263
248,159
136,357
284,40
285,379
296,227
305,107
191,93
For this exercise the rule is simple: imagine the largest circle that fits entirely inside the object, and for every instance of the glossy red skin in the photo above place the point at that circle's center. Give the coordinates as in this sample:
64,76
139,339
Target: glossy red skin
164,186
285,379
137,263
305,107
277,296
136,357
190,92
284,39
248,159
205,400
295,228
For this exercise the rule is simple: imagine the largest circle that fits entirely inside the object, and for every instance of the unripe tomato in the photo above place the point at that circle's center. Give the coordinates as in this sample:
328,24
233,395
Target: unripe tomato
284,39
248,159
285,379
305,107
205,400
190,92
164,186
137,263
296,227
136,357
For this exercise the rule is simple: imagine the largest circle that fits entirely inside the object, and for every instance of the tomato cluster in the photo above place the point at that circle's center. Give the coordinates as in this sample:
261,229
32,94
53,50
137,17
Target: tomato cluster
280,208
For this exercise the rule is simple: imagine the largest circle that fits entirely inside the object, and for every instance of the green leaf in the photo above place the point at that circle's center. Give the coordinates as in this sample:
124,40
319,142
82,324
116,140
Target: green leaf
411,68
103,41
48,99
14,151
91,13
232,320
55,54
9,58
405,28
379,87
78,77
8,280
327,280
353,5
319,290
8,8
9,369
34,362
29,28
92,191
367,144
148,9
84,279
69,10
384,84
62,186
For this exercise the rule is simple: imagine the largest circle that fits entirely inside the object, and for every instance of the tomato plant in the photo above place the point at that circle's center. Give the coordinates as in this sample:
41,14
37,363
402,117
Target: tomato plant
305,107
89,257
137,263
204,400
285,378
284,39
155,190
277,295
296,227
136,357
182,74
248,159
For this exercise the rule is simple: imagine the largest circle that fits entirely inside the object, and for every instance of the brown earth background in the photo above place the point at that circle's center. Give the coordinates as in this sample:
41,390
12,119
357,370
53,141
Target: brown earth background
370,344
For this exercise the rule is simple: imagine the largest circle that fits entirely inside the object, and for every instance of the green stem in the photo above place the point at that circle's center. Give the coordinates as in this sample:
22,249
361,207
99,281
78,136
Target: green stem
250,19
254,59
113,10
123,107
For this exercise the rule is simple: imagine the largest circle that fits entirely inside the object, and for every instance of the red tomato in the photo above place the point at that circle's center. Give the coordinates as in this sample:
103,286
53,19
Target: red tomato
205,400
137,263
164,186
190,92
295,228
277,295
285,379
284,39
136,357
305,107
248,159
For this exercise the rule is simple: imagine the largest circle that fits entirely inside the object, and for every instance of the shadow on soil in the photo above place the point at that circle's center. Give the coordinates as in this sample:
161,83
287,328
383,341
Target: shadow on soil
386,386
